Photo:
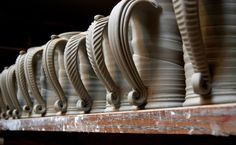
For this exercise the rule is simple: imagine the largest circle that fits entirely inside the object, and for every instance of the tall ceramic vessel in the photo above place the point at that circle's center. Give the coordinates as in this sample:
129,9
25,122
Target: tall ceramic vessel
105,67
147,46
79,70
208,29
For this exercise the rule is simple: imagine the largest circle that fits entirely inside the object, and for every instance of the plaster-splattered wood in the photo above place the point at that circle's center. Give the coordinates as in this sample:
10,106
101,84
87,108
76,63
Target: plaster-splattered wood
212,120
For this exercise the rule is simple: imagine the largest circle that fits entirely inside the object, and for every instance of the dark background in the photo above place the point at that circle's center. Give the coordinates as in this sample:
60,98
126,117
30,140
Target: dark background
28,23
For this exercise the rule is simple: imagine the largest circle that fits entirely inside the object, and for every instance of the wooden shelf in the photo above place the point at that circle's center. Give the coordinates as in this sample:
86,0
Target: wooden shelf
217,120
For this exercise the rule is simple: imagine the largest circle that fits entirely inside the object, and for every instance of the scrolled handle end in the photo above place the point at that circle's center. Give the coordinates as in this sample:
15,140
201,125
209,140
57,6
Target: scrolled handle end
39,109
9,113
27,109
86,107
135,98
16,113
113,99
200,85
4,115
60,106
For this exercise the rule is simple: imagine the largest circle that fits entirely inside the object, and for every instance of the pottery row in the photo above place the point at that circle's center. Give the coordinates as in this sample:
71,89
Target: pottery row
147,54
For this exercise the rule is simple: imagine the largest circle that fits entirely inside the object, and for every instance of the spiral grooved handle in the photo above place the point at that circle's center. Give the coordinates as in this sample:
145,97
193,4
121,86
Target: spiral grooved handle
21,81
118,36
31,77
188,21
95,48
71,65
49,68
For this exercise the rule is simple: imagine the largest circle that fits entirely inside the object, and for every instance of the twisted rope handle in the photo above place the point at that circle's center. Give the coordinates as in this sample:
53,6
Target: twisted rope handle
73,45
95,49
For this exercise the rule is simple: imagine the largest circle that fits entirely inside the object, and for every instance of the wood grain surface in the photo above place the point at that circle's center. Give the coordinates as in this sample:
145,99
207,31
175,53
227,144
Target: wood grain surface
219,120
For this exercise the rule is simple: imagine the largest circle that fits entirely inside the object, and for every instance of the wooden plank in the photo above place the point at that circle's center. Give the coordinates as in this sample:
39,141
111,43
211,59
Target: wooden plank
217,120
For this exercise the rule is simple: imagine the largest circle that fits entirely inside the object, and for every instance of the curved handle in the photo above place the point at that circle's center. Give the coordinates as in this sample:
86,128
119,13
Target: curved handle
49,67
21,81
12,90
188,21
71,65
118,36
94,39
6,97
2,104
29,67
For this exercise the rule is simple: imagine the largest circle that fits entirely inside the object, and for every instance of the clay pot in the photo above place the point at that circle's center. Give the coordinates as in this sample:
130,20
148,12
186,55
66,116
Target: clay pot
105,67
36,80
53,63
208,31
147,47
80,72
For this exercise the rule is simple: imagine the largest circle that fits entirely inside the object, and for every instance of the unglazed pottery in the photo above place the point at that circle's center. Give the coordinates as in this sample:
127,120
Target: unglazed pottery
80,72
3,105
53,64
12,88
147,47
37,83
208,29
22,91
5,94
105,67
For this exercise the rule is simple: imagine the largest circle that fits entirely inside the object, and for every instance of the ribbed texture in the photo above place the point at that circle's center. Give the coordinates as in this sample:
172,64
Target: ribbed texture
11,85
72,69
49,66
23,94
188,20
6,97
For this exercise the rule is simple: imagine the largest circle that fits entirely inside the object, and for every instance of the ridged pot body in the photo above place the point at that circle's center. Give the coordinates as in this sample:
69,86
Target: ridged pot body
92,84
158,56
